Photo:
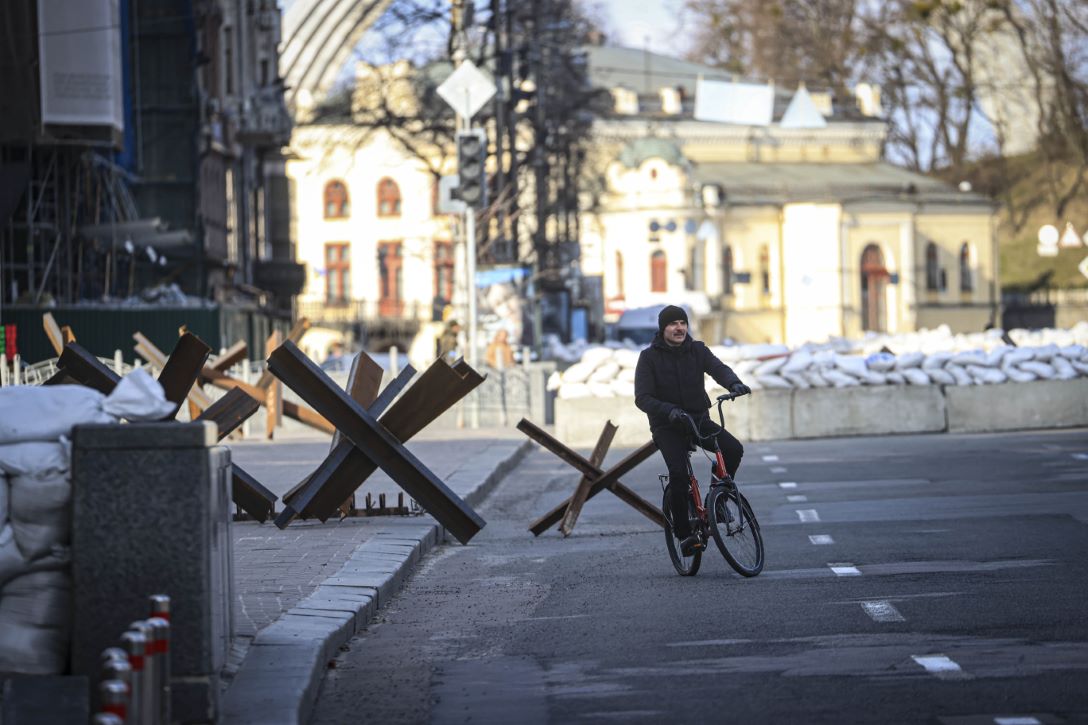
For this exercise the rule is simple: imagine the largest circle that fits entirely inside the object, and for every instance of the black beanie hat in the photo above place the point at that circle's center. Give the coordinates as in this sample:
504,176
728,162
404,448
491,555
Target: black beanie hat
672,313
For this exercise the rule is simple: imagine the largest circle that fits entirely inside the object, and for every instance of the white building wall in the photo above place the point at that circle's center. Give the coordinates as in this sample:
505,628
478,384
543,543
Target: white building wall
813,277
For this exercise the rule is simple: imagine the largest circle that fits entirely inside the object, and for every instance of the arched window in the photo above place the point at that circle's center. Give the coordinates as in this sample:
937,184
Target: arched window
336,200
765,269
727,271
658,272
967,284
933,272
619,275
388,198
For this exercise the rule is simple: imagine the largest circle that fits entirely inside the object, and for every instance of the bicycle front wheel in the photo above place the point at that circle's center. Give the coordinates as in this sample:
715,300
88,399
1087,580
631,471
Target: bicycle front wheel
685,565
735,530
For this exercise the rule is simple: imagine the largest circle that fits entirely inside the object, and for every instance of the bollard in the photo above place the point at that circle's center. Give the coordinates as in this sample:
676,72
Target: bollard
17,369
160,606
118,669
160,629
148,713
107,718
136,645
394,362
113,695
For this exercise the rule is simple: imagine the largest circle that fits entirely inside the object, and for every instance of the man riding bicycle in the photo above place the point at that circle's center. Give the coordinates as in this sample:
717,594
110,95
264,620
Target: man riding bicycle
668,385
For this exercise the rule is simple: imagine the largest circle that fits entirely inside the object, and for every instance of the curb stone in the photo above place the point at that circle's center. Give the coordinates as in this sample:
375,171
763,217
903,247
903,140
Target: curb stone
278,680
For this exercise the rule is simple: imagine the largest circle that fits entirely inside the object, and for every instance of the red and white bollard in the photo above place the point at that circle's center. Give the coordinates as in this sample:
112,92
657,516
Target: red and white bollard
118,669
107,718
160,644
150,694
135,644
114,697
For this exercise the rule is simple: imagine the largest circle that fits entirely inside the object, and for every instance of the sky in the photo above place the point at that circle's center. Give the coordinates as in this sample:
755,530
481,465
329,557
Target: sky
635,23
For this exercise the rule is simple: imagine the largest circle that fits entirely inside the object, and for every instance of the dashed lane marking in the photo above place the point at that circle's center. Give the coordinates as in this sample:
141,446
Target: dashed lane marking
770,459
1017,720
844,569
797,499
787,484
778,469
808,516
821,539
941,667
882,611
1079,457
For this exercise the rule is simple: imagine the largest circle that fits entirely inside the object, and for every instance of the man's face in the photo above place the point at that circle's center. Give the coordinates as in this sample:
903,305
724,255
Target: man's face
675,332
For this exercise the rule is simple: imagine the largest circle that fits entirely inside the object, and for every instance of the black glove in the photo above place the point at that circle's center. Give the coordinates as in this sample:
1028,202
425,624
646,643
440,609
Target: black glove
677,417
739,388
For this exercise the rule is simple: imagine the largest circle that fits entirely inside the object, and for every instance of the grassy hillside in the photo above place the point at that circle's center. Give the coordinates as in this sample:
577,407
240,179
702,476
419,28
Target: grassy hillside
1021,186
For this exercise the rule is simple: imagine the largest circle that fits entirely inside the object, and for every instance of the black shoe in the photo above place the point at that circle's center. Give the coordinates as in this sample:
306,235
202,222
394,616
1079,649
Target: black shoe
690,545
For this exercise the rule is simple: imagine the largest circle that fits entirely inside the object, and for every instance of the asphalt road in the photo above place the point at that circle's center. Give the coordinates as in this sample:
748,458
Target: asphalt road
911,579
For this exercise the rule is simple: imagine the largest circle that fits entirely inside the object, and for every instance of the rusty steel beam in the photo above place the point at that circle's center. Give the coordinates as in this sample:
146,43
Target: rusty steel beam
181,369
327,491
82,366
570,516
230,411
602,479
248,493
290,365
234,354
294,335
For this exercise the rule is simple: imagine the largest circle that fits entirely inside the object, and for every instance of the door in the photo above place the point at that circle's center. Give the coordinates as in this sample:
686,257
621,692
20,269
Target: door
874,280
391,271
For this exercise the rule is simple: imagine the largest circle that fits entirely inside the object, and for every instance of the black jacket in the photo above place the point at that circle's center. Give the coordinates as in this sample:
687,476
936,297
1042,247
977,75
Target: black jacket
667,376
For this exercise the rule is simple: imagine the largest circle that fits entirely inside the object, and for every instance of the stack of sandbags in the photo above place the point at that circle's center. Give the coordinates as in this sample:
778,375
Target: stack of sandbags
35,500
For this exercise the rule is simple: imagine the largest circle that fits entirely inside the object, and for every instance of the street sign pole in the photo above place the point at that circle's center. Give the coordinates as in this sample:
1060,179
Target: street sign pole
470,272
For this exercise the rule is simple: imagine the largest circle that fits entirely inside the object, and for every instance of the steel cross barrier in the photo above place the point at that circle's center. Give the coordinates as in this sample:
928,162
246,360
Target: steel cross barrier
179,372
379,445
347,467
598,479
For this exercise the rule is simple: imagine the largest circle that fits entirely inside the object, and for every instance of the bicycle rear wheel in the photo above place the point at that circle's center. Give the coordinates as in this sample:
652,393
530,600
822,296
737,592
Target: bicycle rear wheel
735,530
685,565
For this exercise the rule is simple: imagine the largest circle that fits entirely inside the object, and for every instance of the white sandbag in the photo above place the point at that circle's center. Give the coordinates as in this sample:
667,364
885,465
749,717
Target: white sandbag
936,360
996,357
1017,355
12,562
915,376
35,623
1080,367
762,350
797,380
874,378
35,457
4,499
1041,370
985,375
601,390
579,372
554,381
969,357
1046,352
838,378
626,358
570,391
595,356
797,362
816,378
940,376
909,360
138,397
605,372
623,388
626,375
39,513
896,377
1017,375
1074,352
961,376
772,366
853,365
880,362
1063,368
745,367
773,381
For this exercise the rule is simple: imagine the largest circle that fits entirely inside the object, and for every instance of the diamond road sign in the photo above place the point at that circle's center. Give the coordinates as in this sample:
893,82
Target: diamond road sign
467,89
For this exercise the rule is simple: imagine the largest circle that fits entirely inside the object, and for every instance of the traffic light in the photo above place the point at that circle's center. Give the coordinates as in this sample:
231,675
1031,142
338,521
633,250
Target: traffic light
471,156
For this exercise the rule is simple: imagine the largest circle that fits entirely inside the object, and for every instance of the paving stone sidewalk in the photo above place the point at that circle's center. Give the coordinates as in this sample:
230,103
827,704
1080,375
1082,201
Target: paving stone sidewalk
304,591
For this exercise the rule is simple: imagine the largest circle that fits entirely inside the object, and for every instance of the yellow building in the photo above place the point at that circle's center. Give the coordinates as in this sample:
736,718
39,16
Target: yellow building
794,231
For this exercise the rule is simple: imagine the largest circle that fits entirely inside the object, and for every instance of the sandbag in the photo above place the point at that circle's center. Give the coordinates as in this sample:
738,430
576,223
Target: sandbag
995,357
1017,356
1039,368
1074,352
626,358
936,360
1046,352
880,362
940,376
896,377
909,360
35,457
623,388
961,376
969,357
595,356
1063,368
34,623
773,381
1080,367
816,379
797,380
985,375
554,381
797,362
838,378
12,562
601,390
1017,375
40,512
579,372
771,367
605,372
915,376
626,375
570,391
853,365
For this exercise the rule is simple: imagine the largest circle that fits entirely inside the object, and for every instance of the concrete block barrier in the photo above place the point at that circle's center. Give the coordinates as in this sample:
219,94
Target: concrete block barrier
880,410
578,421
1015,406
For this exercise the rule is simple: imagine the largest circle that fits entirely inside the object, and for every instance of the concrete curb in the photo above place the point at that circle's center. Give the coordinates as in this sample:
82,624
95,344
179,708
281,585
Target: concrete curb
278,681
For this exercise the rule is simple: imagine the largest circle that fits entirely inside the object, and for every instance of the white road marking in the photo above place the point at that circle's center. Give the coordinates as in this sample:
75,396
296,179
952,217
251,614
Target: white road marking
778,469
770,459
844,569
808,516
821,539
1079,457
882,611
787,484
1017,720
797,499
940,666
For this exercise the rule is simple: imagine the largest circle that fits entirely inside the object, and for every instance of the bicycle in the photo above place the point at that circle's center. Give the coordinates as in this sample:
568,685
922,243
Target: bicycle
725,514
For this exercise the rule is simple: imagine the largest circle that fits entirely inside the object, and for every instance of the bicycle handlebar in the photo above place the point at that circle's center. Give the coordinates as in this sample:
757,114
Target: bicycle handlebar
721,415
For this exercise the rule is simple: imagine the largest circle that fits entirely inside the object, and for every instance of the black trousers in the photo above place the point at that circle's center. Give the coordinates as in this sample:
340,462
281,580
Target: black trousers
673,444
